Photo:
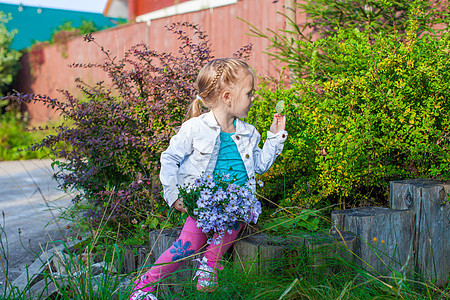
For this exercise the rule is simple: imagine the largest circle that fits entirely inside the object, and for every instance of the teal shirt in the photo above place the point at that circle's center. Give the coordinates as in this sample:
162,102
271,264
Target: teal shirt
229,160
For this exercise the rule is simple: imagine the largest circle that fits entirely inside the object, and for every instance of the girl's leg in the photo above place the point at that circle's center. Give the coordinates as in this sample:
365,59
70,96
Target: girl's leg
207,279
190,241
215,252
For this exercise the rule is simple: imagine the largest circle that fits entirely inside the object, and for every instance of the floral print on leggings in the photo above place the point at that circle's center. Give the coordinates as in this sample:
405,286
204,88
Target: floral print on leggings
181,251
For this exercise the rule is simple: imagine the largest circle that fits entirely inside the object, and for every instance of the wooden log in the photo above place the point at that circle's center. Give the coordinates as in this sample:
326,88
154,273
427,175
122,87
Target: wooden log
259,253
246,253
428,199
144,257
262,253
271,254
384,237
327,250
129,262
47,289
161,240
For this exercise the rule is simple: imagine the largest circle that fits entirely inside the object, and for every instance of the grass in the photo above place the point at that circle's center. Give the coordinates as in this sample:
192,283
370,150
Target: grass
292,276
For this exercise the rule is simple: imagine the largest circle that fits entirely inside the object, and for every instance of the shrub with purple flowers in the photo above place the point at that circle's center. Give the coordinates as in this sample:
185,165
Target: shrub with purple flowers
110,152
218,204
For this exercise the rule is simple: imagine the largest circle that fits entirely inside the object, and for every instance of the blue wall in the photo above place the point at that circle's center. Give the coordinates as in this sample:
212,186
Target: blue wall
33,26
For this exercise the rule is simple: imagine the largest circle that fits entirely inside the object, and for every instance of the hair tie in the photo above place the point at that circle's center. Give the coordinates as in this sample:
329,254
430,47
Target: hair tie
198,98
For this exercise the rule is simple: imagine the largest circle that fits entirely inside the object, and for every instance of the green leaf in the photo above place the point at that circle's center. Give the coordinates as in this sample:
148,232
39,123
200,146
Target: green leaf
279,107
154,223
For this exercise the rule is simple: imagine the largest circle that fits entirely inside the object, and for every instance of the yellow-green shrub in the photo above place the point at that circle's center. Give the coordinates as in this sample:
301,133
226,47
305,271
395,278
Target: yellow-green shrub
378,112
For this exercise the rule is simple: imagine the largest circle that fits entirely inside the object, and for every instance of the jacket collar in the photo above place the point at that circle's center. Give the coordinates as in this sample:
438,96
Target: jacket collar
210,120
242,128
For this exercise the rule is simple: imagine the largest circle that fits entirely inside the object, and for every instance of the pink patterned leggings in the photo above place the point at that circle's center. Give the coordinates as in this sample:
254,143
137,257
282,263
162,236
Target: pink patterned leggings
189,242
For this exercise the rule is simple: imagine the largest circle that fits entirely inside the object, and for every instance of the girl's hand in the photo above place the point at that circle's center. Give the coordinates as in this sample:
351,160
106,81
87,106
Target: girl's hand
278,124
179,205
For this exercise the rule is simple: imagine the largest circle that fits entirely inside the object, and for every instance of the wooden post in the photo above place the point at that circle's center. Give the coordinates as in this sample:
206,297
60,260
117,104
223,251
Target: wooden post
144,257
160,241
324,249
384,237
428,199
246,253
128,263
261,253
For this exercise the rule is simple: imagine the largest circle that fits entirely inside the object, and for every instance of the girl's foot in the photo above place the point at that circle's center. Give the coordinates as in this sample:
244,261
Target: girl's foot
141,295
142,291
207,277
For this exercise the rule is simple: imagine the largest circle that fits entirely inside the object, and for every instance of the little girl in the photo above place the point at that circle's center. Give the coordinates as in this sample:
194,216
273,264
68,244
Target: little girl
217,142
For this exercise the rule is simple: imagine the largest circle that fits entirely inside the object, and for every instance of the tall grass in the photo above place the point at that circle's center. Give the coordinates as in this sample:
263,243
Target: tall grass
291,277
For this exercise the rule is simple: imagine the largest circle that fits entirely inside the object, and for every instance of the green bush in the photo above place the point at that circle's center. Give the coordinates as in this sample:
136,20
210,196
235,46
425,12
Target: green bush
15,139
325,17
9,58
67,30
379,113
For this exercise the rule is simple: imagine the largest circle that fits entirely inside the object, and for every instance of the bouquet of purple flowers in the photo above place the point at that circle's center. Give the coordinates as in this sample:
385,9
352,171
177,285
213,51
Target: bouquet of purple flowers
218,204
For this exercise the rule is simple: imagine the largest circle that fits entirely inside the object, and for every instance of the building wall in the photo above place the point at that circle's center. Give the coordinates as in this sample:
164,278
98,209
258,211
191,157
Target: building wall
145,6
226,32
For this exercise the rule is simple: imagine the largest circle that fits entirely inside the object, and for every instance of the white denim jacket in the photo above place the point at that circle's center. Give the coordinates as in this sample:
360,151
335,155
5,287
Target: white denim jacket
194,149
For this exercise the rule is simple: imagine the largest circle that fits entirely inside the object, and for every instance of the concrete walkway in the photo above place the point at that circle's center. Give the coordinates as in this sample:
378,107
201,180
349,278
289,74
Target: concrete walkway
30,203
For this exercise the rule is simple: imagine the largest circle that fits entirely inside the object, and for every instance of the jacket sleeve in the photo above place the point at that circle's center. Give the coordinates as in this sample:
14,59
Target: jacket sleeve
180,146
265,157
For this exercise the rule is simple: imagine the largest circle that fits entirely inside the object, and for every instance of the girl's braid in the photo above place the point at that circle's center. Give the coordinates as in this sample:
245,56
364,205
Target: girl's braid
213,84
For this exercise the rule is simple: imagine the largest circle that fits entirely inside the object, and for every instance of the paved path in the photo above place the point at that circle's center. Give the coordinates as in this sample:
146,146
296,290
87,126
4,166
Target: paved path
30,202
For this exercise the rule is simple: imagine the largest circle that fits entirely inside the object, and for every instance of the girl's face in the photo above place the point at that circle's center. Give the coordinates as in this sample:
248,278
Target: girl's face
242,97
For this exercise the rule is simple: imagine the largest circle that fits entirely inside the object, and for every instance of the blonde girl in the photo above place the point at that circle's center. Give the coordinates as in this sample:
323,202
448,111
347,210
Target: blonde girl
217,142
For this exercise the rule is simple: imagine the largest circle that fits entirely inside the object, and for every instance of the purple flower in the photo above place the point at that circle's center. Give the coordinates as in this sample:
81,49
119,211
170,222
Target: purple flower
205,194
210,183
243,192
202,203
217,209
220,195
231,208
198,182
251,183
232,188
233,198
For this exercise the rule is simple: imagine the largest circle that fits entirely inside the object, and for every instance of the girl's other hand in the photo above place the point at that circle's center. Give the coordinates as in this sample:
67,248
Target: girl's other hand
179,205
278,124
